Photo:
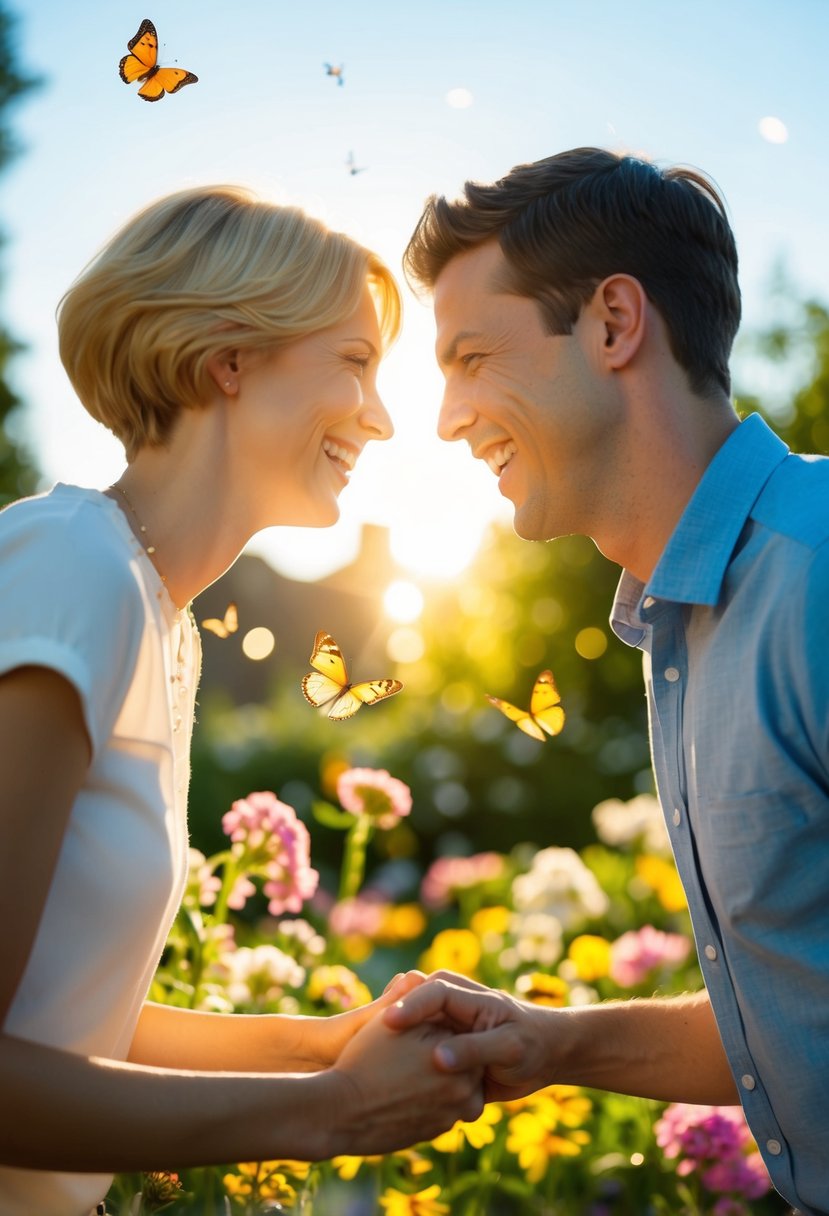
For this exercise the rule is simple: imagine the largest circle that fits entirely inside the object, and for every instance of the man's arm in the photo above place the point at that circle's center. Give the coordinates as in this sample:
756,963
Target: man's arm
664,1048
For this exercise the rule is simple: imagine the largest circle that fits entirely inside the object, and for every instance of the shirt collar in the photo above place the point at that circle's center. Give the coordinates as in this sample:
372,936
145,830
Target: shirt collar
693,564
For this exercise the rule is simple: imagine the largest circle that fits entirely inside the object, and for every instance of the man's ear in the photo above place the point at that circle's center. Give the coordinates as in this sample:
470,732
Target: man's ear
621,305
224,371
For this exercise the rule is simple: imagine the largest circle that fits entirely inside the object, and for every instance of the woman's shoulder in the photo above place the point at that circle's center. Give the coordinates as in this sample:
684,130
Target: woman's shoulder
70,525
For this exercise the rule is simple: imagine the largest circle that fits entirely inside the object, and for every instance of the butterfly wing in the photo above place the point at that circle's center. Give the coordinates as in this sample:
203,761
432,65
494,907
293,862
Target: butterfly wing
165,80
321,690
521,717
143,55
225,627
327,658
545,704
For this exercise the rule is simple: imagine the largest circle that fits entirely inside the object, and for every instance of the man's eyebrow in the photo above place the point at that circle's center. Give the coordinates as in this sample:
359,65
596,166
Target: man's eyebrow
449,353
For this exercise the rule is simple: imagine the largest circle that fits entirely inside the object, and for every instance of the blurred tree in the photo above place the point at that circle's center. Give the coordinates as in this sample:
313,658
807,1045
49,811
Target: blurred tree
18,474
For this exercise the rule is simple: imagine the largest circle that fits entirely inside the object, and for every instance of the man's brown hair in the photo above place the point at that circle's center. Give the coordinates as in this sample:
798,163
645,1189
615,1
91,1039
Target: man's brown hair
569,221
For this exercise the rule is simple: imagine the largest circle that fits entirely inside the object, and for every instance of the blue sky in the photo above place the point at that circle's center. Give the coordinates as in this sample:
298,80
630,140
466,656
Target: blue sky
678,82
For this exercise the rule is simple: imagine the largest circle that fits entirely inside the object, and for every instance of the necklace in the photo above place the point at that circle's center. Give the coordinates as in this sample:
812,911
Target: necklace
149,548
176,674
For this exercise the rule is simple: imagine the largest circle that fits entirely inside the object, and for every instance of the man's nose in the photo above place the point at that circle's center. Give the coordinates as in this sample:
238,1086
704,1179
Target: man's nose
456,415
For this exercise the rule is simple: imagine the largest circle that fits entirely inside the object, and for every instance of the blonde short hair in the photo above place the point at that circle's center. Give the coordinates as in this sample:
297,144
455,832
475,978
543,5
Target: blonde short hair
200,273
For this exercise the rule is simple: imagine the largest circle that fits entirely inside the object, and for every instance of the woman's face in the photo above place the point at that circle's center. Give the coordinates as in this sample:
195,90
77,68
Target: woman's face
303,415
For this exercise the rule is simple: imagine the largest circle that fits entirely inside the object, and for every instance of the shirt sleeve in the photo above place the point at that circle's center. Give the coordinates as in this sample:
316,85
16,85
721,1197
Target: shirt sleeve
70,601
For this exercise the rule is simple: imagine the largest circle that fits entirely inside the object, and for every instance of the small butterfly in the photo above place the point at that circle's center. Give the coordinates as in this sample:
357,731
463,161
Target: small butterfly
545,712
141,64
226,626
353,167
327,686
335,70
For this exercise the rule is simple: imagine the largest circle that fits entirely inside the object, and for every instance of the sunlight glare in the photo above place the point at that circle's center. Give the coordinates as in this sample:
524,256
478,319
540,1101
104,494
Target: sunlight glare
773,130
403,601
459,99
258,643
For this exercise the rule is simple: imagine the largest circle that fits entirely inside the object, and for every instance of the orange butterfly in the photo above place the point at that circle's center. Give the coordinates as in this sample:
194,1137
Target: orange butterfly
328,687
545,712
224,627
141,64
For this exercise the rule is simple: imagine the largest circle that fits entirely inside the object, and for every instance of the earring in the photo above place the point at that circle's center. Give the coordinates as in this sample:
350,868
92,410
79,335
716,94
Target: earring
227,384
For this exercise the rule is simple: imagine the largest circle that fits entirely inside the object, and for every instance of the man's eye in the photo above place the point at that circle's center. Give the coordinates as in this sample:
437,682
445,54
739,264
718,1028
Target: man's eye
468,360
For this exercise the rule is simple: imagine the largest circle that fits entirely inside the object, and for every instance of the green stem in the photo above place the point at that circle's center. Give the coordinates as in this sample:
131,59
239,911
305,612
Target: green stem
354,859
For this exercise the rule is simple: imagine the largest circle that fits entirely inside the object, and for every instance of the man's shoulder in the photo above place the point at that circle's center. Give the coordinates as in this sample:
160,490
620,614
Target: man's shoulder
795,500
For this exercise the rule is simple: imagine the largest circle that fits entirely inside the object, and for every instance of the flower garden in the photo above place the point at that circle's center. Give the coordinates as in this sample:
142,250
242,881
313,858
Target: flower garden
257,933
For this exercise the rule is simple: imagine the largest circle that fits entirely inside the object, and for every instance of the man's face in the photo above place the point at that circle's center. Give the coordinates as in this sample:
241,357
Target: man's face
533,405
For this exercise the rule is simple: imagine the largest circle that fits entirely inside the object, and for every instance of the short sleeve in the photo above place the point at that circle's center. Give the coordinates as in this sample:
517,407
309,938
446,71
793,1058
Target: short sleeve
70,601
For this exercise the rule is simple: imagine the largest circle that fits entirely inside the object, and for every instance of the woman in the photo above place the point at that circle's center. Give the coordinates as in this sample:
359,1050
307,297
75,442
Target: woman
232,346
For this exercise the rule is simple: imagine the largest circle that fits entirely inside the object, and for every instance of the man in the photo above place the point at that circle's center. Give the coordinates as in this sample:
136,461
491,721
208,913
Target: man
586,307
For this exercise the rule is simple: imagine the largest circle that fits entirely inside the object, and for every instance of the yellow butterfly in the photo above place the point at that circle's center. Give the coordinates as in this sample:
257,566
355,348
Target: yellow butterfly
328,687
141,64
545,712
226,626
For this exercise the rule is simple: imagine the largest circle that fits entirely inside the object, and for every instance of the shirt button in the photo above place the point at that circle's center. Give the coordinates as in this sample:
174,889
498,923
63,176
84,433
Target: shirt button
711,952
747,1081
677,816
671,674
774,1147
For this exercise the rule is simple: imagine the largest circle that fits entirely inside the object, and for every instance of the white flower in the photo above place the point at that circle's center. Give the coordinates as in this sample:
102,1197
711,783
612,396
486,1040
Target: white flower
259,973
537,937
639,821
560,884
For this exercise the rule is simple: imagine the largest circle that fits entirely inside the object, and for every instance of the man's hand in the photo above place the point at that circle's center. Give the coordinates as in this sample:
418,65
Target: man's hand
493,1031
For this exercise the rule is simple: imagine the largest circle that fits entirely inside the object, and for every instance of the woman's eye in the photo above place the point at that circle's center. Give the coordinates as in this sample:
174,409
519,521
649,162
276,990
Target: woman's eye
359,362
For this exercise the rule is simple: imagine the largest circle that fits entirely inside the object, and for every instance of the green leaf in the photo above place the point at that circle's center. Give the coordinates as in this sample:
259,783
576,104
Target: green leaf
330,817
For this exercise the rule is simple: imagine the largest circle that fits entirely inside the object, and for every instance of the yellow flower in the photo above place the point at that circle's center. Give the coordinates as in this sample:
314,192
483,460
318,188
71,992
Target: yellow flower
401,924
337,986
662,877
535,1144
542,989
477,1133
415,1163
453,950
264,1180
591,957
547,1126
348,1167
423,1203
490,920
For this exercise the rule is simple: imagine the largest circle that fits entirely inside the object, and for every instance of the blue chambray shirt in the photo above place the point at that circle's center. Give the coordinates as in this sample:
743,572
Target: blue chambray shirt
734,629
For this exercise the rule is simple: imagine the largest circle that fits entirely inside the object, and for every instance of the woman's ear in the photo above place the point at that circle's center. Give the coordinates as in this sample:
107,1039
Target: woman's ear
224,371
621,305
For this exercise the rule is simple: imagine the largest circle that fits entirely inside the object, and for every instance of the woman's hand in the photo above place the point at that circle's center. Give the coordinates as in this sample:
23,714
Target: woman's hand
388,1093
504,1037
322,1039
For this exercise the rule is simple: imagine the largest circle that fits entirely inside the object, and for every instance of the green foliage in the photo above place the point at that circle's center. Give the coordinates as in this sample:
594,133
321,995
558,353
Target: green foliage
18,475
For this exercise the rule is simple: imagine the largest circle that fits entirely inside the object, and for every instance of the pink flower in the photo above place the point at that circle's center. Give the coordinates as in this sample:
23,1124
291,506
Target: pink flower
636,953
747,1176
269,840
714,1141
450,874
373,792
362,915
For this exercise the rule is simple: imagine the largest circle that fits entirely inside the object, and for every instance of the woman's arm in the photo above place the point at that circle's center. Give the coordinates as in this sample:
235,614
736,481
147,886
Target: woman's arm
167,1037
668,1048
69,1112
